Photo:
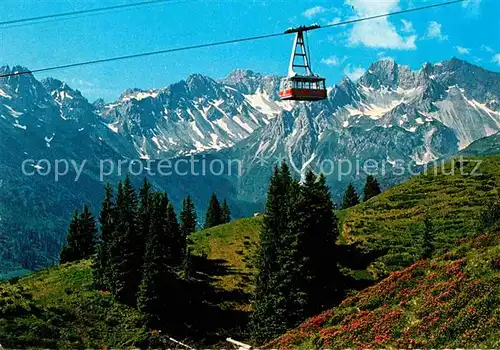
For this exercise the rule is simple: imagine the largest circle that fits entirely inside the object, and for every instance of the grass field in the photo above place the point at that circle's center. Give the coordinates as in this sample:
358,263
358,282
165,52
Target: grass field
61,304
390,223
234,245
394,219
449,302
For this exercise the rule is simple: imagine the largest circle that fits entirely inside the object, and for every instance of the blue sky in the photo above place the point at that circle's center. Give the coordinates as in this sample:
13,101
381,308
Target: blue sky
470,31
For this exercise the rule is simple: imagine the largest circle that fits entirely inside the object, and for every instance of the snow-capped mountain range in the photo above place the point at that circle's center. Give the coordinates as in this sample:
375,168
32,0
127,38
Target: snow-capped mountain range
390,114
201,114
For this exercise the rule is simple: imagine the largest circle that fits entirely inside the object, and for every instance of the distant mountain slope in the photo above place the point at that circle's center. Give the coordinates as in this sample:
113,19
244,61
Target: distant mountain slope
483,147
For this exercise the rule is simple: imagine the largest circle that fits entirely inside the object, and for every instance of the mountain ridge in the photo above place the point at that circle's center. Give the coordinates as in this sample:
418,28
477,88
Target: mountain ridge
390,114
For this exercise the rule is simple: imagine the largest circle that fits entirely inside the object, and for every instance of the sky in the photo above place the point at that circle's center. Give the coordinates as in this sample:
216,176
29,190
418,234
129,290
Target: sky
469,31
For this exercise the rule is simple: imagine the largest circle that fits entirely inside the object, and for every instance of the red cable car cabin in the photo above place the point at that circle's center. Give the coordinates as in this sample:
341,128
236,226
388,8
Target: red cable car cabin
302,87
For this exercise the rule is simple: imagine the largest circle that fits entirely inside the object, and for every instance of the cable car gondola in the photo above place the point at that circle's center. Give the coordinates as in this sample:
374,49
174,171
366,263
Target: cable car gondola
305,87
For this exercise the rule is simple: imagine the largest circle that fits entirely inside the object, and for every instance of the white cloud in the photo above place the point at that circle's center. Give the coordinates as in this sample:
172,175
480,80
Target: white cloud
496,59
313,11
462,50
434,31
334,60
331,61
81,83
407,26
471,3
354,73
334,21
472,6
379,32
382,56
487,48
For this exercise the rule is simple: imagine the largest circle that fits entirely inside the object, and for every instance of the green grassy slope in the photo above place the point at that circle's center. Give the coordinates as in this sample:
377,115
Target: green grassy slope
450,302
234,245
58,308
393,220
390,223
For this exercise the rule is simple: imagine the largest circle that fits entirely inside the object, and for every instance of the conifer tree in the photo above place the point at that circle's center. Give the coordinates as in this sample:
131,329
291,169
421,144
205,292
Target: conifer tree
214,213
188,222
81,238
427,238
102,270
88,233
371,189
159,290
272,299
143,217
187,265
226,212
350,197
188,217
124,252
316,227
490,216
177,241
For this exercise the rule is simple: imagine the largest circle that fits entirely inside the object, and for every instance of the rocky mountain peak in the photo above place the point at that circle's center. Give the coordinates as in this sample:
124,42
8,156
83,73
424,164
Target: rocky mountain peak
29,90
249,82
128,92
200,85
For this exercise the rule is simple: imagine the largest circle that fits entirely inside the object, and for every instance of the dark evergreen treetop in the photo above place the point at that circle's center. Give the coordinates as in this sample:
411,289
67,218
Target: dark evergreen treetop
125,251
102,271
159,288
371,189
68,253
276,303
214,213
177,240
89,233
143,216
188,217
81,238
226,212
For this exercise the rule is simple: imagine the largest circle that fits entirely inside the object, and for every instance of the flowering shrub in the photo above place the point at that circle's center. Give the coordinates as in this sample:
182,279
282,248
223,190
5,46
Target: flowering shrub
445,303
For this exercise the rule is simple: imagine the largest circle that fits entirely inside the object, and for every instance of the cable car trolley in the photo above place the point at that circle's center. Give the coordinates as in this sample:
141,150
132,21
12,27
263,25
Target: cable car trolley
306,86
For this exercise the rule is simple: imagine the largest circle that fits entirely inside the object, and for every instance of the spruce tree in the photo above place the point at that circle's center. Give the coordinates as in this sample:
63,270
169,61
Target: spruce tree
69,252
372,188
490,216
102,270
226,212
318,277
125,251
89,236
188,217
177,241
143,216
350,197
214,213
81,238
271,314
427,238
159,290
187,265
